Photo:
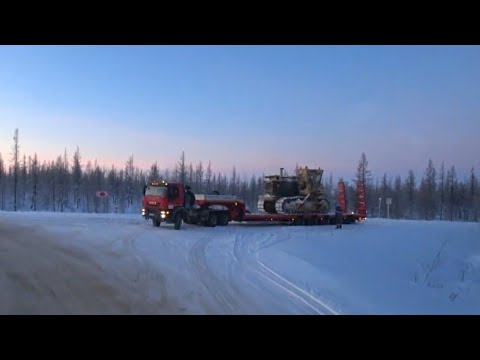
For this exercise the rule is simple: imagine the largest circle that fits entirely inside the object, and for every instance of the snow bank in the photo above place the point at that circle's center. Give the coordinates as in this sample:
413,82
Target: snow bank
384,266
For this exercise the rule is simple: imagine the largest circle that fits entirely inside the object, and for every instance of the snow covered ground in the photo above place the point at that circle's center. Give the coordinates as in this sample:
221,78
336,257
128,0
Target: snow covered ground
121,264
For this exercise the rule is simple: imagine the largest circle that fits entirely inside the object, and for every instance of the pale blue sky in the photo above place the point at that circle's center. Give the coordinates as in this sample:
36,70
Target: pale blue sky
256,107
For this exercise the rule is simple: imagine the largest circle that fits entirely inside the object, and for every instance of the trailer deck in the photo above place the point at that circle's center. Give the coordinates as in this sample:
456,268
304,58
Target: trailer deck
303,219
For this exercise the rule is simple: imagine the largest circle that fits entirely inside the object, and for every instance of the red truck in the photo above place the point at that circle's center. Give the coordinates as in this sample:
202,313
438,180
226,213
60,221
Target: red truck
175,203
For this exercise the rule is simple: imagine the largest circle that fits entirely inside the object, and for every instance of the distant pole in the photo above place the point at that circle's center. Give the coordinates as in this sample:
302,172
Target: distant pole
379,207
389,202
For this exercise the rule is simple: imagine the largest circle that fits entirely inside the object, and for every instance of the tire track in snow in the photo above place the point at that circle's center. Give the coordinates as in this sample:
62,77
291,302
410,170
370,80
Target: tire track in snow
249,257
145,277
230,301
307,298
246,285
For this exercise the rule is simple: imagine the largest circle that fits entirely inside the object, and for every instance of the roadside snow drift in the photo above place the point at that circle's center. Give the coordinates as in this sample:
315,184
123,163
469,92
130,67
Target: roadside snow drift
53,263
384,267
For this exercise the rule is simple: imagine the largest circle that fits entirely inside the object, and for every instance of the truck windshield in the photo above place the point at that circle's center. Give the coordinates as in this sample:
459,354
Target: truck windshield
156,191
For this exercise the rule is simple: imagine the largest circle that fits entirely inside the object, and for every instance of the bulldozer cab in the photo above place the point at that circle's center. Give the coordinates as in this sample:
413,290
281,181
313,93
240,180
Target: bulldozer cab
281,185
310,180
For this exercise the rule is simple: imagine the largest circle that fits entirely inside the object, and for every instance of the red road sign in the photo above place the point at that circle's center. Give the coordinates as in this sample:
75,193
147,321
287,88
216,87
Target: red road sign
102,194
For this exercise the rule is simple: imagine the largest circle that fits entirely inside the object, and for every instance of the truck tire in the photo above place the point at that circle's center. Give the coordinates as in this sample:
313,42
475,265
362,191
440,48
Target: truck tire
178,222
156,222
222,219
212,220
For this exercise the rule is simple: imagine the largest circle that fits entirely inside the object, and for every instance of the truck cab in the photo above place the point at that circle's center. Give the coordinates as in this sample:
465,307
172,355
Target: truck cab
164,202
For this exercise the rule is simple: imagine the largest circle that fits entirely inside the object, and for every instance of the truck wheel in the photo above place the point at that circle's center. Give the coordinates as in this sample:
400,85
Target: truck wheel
178,222
156,222
212,220
222,219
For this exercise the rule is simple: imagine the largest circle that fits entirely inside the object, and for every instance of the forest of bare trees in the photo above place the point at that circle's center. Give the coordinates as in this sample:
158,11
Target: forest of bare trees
70,185
435,196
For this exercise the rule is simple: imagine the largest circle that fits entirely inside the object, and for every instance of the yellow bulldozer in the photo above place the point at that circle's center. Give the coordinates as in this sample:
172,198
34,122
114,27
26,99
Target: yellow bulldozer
301,193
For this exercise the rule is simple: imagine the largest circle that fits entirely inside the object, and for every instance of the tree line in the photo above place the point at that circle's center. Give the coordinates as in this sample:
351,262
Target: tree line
69,185
438,195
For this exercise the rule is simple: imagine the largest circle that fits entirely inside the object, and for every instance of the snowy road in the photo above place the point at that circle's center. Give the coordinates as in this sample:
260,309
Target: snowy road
41,275
52,263
87,264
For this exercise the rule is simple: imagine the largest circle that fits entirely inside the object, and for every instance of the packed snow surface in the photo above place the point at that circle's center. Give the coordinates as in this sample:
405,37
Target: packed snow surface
59,263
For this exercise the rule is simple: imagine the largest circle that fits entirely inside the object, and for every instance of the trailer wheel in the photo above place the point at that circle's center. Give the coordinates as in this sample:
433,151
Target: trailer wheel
156,222
178,222
212,220
222,219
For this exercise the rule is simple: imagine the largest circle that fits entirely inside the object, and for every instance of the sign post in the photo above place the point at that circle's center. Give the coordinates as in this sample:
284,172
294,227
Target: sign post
379,207
389,202
103,195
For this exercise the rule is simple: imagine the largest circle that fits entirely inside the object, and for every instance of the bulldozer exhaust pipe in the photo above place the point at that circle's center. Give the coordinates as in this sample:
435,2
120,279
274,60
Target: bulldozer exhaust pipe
281,172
